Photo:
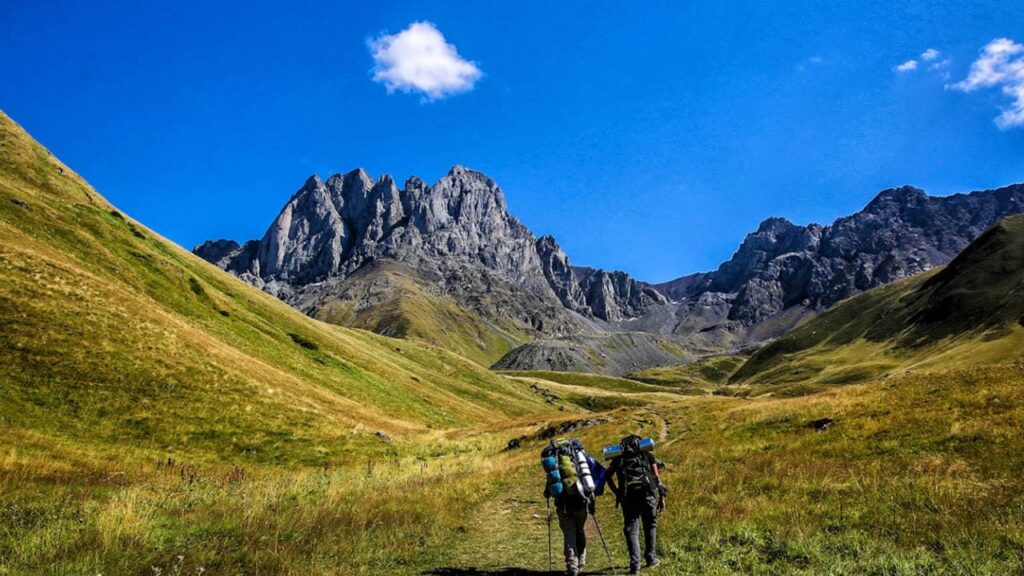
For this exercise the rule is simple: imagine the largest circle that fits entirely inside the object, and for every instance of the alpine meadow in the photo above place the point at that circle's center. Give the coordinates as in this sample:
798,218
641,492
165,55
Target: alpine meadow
355,375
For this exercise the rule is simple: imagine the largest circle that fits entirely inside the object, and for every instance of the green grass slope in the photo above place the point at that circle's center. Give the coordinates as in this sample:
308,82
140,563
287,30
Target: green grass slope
971,312
585,380
593,392
403,308
112,335
704,375
918,474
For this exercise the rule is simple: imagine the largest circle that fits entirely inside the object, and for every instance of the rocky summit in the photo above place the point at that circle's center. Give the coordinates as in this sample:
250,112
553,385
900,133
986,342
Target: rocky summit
455,245
783,271
449,264
610,296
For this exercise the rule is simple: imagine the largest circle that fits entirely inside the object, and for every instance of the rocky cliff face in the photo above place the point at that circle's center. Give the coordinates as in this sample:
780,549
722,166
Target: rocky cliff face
901,232
457,235
610,296
333,228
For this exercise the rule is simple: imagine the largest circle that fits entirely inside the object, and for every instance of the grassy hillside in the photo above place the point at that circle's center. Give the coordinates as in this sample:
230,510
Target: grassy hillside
918,474
158,412
113,335
591,391
399,305
585,380
971,312
704,375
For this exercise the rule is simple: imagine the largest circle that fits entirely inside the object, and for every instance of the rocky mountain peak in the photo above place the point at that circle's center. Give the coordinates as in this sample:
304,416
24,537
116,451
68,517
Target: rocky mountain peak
461,181
311,183
900,232
610,296
775,225
458,230
414,183
903,196
560,275
216,250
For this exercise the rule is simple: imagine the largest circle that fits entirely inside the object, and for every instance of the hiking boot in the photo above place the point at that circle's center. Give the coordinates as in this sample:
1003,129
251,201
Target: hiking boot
634,570
653,563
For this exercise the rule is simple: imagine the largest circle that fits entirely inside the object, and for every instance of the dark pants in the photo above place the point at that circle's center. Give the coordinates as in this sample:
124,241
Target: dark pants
573,522
637,509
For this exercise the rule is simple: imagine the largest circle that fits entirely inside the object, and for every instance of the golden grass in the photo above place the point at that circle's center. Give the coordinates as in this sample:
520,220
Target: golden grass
160,417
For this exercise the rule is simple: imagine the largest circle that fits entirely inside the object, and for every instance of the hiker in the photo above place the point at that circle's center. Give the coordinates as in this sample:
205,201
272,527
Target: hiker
634,479
571,484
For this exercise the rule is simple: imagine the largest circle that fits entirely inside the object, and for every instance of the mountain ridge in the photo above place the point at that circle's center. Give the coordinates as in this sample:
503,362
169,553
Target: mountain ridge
967,312
784,266
458,237
468,251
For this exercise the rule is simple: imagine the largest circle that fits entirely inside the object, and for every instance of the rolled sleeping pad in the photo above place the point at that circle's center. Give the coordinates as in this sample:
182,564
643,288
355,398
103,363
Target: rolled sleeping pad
586,480
646,445
612,451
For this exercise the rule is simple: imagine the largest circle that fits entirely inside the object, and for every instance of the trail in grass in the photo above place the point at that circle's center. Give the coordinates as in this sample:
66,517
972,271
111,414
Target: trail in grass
662,427
509,536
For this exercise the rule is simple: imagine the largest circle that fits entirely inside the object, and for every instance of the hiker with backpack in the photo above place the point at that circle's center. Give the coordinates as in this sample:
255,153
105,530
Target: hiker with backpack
634,479
573,478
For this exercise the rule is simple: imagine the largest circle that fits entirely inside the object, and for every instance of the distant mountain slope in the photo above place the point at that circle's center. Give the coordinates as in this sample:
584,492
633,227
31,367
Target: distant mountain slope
616,354
784,268
969,312
112,334
781,275
393,299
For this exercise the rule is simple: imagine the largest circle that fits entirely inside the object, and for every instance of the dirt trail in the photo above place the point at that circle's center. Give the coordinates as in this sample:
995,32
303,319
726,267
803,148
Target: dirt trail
663,427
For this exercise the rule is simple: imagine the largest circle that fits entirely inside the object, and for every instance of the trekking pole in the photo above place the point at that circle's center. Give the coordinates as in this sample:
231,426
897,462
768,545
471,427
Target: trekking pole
603,542
551,563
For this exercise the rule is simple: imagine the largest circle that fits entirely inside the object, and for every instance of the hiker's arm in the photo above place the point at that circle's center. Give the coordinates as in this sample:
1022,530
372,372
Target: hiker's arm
654,468
609,477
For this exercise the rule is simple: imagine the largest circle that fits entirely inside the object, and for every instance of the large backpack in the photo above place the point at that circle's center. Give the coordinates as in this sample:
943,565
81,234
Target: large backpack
635,474
567,468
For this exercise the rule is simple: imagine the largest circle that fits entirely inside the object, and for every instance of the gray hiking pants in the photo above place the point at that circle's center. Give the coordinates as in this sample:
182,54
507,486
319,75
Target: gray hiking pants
634,511
573,524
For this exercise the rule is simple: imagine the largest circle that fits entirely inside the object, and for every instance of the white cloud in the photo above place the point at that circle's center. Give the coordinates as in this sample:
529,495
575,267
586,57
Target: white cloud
907,66
930,54
418,59
1001,64
812,61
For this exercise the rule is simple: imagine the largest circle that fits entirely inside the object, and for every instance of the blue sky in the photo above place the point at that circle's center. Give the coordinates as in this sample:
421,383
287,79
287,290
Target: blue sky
646,136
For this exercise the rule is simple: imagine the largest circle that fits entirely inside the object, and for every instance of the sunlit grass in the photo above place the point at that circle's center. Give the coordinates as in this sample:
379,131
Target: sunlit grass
157,416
